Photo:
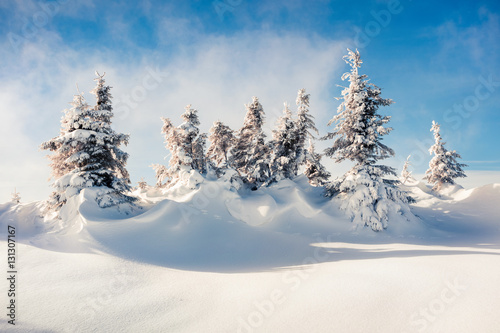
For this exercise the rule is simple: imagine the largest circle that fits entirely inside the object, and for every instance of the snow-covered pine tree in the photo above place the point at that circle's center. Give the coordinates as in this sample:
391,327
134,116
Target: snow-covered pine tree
188,132
259,162
142,184
405,173
16,197
87,153
305,127
304,124
284,163
164,175
161,174
367,196
314,170
222,140
74,118
443,167
199,158
250,154
186,146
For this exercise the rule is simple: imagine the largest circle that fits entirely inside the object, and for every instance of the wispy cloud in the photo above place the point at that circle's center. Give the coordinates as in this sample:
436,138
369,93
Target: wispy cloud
217,74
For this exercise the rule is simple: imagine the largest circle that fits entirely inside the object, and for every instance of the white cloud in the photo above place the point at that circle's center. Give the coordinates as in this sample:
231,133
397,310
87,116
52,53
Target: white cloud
478,42
218,75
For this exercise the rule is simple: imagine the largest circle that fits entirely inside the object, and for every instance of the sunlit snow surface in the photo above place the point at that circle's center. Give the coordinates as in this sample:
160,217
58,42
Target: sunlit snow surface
280,259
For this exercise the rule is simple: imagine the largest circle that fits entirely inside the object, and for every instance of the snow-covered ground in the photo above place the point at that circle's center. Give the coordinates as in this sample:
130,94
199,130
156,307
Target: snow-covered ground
280,259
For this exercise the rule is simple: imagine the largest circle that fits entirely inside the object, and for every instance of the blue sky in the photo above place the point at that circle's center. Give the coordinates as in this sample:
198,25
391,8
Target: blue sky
437,60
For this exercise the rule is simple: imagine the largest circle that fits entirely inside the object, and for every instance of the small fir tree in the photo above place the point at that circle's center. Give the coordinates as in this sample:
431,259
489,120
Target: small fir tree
305,126
164,175
16,197
314,170
142,184
199,158
284,148
405,173
443,167
250,154
222,140
186,146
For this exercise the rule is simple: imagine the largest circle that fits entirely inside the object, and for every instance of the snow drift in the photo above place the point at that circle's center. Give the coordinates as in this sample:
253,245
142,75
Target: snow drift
282,258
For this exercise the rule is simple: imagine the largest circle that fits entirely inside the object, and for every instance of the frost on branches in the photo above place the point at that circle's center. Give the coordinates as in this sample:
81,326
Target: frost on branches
367,197
250,154
187,149
406,175
443,167
87,154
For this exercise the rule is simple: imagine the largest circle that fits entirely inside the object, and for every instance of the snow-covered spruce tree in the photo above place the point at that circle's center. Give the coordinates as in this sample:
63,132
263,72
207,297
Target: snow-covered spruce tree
16,197
367,197
191,142
405,173
142,184
443,167
250,154
284,162
87,153
187,148
199,158
165,175
222,140
314,170
304,125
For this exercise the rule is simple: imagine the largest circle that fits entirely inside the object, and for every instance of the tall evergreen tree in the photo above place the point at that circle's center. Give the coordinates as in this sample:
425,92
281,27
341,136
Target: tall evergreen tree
304,124
188,133
367,196
186,146
443,167
250,155
87,152
284,163
199,158
222,140
314,170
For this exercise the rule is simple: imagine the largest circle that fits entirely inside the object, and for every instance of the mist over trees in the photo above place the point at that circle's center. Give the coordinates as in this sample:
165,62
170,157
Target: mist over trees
87,154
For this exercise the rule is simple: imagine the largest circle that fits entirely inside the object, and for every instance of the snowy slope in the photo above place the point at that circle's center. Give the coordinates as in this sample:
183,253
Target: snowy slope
280,259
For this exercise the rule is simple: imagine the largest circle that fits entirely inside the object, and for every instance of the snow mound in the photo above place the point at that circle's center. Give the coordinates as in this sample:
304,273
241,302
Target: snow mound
214,227
27,217
253,210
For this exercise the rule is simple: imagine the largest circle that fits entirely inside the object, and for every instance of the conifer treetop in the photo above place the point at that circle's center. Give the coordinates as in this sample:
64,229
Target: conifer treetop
443,167
359,130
